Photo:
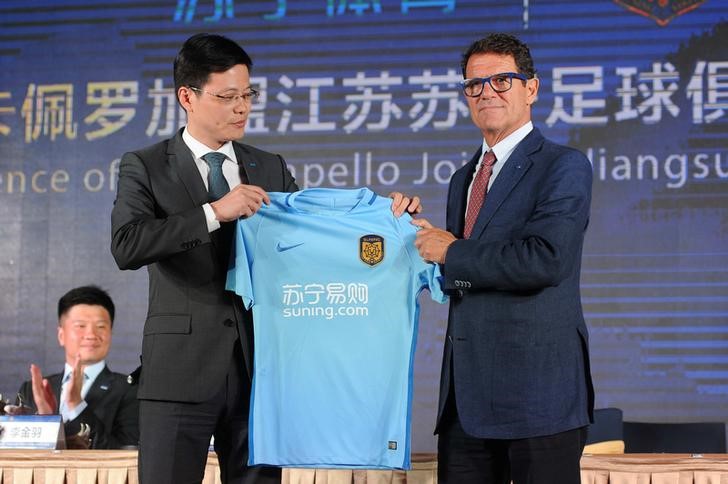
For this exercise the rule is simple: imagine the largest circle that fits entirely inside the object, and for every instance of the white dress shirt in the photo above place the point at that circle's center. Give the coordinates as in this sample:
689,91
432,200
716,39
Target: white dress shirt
230,170
502,152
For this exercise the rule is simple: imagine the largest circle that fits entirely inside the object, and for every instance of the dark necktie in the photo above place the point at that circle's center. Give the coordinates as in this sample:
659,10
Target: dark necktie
478,191
217,185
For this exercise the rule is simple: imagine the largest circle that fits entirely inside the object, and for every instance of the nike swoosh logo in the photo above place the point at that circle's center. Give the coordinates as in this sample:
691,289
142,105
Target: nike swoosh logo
283,248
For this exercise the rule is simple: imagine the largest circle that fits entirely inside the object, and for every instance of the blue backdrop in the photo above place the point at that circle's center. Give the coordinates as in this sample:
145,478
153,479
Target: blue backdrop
365,93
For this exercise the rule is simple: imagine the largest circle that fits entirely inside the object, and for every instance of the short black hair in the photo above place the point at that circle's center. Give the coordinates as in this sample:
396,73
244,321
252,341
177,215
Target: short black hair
203,54
502,44
91,295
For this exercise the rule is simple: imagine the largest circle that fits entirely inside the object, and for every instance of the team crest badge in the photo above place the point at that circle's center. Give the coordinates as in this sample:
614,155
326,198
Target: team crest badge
371,249
661,11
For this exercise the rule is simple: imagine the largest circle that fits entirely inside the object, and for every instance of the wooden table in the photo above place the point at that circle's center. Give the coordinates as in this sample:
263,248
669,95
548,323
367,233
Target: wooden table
654,469
120,467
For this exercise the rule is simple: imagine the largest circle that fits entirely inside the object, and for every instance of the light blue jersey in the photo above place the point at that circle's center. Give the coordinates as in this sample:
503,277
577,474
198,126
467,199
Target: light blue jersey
332,278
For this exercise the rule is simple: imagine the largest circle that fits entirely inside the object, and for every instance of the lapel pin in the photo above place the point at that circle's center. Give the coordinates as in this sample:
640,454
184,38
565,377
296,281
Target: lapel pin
104,387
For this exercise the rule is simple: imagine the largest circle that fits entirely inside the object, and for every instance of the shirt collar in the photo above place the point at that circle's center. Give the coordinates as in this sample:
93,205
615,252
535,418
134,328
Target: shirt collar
91,371
505,147
199,149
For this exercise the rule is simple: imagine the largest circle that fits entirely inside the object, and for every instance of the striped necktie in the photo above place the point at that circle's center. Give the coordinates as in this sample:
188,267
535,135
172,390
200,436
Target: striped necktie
478,192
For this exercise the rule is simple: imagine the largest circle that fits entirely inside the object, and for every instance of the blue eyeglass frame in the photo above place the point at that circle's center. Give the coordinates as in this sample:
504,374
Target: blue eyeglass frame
510,75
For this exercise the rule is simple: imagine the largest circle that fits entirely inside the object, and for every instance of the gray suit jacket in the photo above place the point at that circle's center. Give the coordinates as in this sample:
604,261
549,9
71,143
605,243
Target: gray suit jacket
158,222
517,345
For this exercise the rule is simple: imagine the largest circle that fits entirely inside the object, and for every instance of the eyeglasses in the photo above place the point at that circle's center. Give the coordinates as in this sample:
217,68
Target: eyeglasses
247,97
498,82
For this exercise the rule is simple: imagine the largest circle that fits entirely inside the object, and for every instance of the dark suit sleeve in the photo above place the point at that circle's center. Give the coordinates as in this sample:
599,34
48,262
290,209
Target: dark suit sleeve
140,235
535,240
273,174
114,420
26,391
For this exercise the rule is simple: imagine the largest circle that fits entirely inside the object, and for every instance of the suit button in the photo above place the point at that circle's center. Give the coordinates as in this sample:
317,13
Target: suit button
229,323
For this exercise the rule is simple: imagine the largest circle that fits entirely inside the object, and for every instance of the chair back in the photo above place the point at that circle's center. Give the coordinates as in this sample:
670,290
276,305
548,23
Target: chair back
677,438
604,436
607,425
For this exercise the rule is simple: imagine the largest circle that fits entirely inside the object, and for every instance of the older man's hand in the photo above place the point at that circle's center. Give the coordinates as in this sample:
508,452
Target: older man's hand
431,242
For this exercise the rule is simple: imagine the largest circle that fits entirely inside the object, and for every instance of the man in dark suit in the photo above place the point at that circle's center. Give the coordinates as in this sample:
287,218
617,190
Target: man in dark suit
515,389
196,365
174,213
90,394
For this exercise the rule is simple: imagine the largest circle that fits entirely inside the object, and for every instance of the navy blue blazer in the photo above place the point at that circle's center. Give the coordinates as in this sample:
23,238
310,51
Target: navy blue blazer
517,345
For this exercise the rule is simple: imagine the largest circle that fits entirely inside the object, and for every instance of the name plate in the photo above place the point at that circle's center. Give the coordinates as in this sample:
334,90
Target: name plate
32,432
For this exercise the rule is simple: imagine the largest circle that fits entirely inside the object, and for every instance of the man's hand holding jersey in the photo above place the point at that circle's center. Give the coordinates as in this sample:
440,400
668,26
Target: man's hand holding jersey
240,202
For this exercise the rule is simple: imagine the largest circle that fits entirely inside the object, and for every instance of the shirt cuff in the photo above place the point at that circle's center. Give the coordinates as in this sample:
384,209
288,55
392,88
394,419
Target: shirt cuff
212,222
69,415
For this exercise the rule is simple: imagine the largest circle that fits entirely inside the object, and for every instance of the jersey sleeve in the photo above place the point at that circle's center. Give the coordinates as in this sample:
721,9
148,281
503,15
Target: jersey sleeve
427,273
240,272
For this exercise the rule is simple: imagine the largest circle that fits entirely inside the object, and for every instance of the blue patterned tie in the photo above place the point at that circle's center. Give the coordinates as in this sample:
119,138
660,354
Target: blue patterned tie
217,185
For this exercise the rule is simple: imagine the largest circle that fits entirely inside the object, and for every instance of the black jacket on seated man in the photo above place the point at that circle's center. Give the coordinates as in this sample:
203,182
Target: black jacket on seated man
112,413
99,407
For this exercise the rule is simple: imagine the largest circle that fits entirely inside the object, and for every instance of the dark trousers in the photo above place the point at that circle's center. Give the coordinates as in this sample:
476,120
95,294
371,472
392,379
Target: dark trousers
462,459
175,436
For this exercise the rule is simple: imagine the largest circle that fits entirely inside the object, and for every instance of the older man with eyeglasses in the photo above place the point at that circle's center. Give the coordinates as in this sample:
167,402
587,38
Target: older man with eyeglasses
515,391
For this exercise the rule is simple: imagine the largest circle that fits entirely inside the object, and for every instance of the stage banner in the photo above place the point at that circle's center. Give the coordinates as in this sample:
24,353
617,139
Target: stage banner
365,93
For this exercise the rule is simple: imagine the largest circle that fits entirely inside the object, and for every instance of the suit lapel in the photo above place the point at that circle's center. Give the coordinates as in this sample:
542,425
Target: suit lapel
101,386
182,162
515,167
249,167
